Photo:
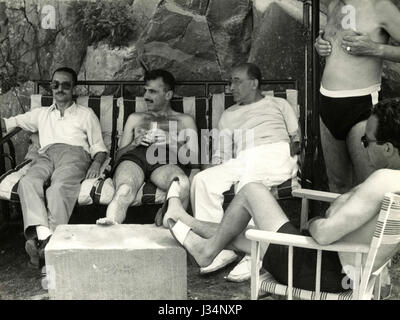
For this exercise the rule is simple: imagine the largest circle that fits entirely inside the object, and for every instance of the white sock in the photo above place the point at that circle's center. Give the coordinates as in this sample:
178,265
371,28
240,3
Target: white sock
43,232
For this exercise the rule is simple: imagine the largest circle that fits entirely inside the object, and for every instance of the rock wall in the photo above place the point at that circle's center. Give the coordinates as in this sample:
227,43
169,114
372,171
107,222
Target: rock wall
194,39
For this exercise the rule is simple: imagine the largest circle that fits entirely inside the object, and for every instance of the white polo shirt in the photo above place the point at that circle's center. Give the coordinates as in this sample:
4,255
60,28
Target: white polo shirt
78,127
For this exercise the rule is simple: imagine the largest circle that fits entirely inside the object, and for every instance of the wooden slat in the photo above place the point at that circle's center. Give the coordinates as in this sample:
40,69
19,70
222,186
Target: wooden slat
303,242
290,273
315,195
357,275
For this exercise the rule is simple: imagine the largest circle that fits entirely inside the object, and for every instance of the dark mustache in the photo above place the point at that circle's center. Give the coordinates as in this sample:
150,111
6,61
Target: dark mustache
148,100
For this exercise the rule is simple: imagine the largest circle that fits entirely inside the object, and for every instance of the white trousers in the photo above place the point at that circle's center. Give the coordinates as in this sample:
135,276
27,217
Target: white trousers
270,164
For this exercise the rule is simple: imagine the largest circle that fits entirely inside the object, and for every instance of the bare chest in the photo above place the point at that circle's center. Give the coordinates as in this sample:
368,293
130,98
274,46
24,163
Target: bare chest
169,123
352,16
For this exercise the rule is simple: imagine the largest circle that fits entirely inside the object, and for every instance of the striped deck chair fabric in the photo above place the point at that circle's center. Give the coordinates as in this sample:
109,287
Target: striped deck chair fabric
98,191
197,107
221,101
384,244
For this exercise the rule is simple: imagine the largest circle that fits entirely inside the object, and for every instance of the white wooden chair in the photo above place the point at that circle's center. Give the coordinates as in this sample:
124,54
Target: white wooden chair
386,237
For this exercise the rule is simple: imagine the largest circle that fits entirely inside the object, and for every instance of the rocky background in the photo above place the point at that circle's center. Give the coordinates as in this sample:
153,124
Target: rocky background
194,39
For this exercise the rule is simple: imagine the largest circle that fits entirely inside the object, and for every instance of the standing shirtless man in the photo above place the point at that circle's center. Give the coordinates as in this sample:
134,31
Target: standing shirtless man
153,154
355,43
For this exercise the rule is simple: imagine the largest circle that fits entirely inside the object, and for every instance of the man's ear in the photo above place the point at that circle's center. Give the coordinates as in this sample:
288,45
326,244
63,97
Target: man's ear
256,84
169,95
389,148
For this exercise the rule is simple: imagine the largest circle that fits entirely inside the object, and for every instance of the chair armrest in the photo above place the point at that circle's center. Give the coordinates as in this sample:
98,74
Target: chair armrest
315,195
303,241
9,135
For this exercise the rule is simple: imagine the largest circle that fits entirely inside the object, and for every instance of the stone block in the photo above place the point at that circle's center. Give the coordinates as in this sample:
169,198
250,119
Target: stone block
125,262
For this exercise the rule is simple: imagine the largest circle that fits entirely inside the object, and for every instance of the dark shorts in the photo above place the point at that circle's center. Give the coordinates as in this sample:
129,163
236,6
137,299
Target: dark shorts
138,156
304,265
341,114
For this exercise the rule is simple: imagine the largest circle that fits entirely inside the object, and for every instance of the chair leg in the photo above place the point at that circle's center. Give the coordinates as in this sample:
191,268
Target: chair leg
255,273
377,287
304,213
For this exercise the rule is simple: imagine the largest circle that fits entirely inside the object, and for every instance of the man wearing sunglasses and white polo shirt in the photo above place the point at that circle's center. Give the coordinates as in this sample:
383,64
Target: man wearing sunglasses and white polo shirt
71,149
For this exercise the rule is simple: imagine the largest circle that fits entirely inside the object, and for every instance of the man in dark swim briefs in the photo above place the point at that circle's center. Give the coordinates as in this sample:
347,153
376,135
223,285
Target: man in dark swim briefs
151,146
354,43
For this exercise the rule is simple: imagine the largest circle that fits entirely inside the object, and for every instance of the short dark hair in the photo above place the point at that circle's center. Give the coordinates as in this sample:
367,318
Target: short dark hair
67,70
253,71
388,114
166,77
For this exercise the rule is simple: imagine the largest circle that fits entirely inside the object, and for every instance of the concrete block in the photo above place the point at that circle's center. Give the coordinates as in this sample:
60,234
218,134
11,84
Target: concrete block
123,262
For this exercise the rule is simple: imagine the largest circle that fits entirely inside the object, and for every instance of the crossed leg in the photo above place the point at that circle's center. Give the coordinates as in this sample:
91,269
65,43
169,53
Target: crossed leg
128,178
207,239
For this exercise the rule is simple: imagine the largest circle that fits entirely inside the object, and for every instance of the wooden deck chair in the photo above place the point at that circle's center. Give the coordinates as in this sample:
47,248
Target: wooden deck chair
385,239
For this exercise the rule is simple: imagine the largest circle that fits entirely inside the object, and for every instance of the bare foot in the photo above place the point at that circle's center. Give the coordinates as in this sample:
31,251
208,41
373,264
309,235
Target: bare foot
175,211
105,222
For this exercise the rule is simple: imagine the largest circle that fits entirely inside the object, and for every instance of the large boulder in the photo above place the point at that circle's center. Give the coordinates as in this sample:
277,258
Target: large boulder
230,24
278,44
179,40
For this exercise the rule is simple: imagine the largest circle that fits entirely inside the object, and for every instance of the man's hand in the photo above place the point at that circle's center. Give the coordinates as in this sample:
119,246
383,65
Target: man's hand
94,170
142,138
322,46
359,44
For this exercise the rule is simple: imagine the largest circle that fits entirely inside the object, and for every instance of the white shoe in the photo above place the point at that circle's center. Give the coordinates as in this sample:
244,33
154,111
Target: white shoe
242,271
224,258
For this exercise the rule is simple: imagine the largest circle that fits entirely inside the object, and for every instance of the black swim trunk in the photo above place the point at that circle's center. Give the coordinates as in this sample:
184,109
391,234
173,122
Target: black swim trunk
304,265
139,156
341,114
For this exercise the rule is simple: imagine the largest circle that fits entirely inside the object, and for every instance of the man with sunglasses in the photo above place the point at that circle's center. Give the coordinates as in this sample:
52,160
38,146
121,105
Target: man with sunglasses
351,217
254,142
71,149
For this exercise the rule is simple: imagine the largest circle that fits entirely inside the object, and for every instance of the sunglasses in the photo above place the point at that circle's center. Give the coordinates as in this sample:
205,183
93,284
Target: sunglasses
365,142
64,85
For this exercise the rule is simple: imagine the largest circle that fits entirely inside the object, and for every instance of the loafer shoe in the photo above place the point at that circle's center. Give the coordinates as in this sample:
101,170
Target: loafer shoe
224,258
242,271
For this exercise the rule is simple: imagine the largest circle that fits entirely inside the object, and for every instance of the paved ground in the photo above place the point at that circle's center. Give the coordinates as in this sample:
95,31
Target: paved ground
18,281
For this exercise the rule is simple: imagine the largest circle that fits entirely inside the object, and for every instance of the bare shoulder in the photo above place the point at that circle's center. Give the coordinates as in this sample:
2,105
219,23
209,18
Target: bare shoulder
385,8
382,181
135,119
186,120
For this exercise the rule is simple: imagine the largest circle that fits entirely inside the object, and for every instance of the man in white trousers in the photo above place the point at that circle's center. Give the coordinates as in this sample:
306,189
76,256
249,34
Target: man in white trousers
253,146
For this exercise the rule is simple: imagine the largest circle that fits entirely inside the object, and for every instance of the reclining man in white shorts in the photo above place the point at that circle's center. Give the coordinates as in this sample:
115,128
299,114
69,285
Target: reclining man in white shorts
253,146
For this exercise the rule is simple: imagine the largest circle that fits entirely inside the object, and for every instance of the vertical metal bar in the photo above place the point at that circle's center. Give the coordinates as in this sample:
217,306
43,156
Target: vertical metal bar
315,80
290,274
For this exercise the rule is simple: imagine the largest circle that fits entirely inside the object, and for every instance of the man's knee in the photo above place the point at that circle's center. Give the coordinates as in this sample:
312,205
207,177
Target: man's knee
27,181
250,189
61,189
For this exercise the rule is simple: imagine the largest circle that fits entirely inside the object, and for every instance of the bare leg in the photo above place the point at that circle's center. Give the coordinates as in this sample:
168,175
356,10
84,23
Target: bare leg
163,176
128,178
362,167
337,161
266,214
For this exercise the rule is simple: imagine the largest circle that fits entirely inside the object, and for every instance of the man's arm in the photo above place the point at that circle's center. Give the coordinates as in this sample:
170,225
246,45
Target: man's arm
128,140
222,145
352,210
361,43
26,121
97,148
